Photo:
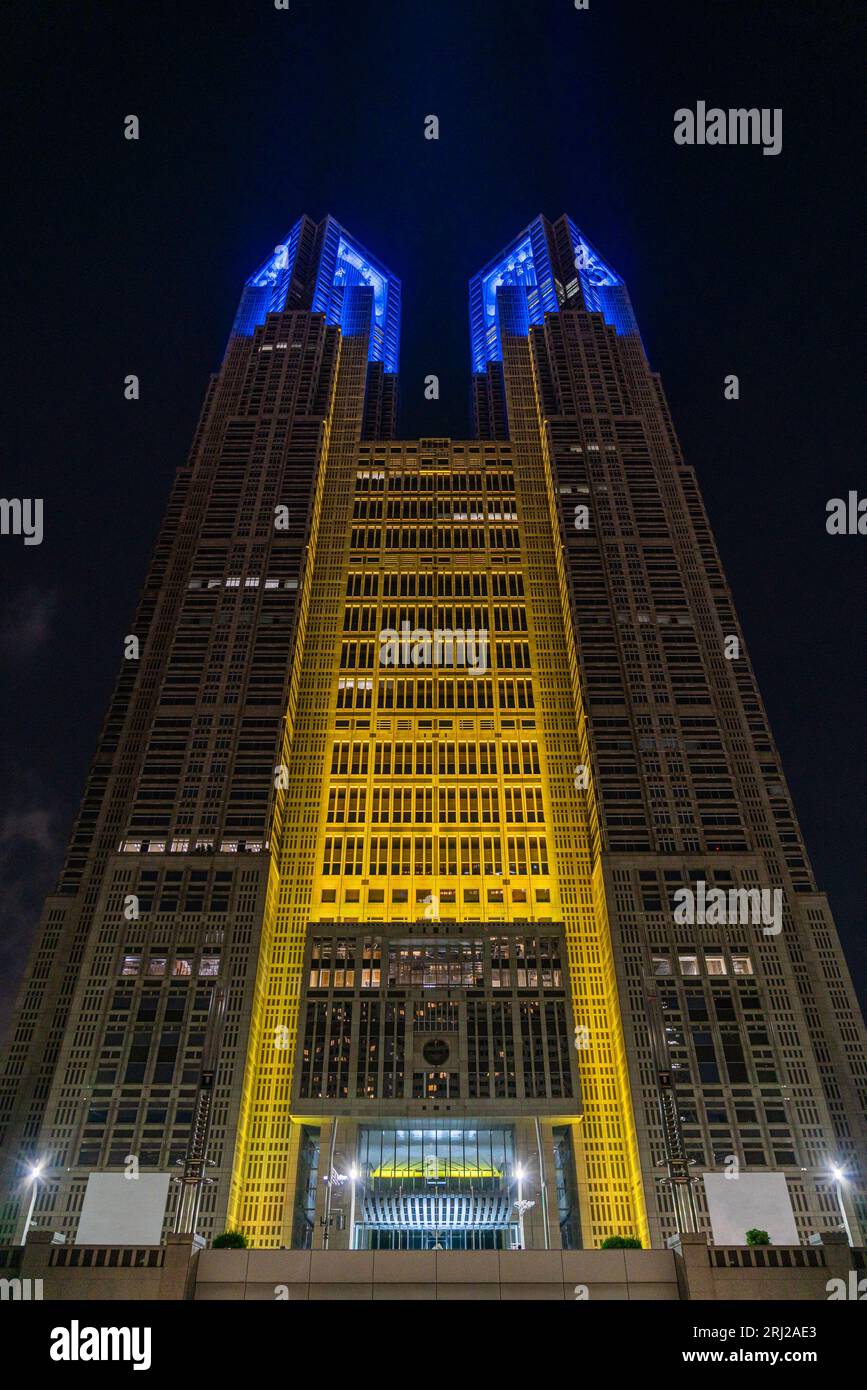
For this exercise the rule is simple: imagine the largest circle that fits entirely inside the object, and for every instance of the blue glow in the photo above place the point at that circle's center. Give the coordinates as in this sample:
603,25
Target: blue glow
345,264
524,264
342,265
601,287
265,292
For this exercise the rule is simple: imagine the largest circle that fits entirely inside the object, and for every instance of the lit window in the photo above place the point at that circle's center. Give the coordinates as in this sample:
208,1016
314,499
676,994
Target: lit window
716,965
209,965
131,965
688,965
182,966
742,965
662,965
157,965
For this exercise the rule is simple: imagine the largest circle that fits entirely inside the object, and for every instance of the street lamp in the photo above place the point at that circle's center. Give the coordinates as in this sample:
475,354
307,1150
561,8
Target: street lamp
33,1176
520,1204
353,1178
839,1176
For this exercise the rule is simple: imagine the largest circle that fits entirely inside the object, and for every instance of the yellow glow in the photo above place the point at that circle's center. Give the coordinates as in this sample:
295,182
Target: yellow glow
435,1168
570,887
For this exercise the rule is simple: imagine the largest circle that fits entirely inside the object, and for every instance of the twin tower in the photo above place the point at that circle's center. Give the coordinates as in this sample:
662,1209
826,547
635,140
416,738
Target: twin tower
386,947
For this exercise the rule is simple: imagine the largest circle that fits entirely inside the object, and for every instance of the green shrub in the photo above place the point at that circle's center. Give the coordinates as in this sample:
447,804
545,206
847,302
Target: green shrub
230,1240
620,1243
757,1237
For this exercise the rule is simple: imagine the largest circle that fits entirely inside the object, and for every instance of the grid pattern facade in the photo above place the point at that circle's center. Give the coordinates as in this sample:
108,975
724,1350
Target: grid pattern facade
765,1038
419,746
419,792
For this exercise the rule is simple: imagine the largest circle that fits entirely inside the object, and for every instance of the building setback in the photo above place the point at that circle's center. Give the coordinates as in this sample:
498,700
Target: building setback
424,872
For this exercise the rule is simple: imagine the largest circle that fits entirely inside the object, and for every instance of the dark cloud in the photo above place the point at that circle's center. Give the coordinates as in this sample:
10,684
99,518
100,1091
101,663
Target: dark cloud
26,621
30,847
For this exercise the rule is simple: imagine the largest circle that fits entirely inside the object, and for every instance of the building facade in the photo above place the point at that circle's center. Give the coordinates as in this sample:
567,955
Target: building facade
436,875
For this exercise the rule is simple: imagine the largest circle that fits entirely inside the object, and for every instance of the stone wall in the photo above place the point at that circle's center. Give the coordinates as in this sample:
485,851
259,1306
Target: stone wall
180,1269
448,1274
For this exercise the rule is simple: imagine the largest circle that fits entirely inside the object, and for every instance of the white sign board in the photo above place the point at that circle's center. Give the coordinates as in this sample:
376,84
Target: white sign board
118,1210
737,1205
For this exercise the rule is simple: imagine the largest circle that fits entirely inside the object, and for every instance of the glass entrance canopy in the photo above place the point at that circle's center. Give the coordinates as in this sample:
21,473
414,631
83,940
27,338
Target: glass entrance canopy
435,1189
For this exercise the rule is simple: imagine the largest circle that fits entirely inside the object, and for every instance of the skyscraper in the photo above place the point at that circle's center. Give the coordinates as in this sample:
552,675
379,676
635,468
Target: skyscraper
436,875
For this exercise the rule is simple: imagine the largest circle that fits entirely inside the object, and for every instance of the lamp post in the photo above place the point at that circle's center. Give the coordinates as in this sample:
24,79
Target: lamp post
519,1174
520,1204
353,1178
34,1176
839,1176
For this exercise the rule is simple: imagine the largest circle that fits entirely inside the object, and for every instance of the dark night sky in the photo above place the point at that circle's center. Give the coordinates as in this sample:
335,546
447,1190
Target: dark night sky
128,257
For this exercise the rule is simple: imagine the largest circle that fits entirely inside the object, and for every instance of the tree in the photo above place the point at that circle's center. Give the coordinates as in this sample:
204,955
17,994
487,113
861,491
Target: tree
757,1237
230,1240
620,1243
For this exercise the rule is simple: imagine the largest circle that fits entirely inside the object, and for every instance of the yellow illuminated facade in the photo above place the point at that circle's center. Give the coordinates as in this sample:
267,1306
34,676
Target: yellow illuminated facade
368,913
368,916
432,792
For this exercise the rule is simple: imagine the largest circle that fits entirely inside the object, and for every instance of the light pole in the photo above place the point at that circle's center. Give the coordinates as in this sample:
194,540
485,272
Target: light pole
839,1175
34,1175
520,1205
353,1178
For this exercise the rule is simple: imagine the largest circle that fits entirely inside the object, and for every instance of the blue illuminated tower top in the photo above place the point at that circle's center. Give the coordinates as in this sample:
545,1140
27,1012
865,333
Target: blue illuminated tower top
313,268
553,264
